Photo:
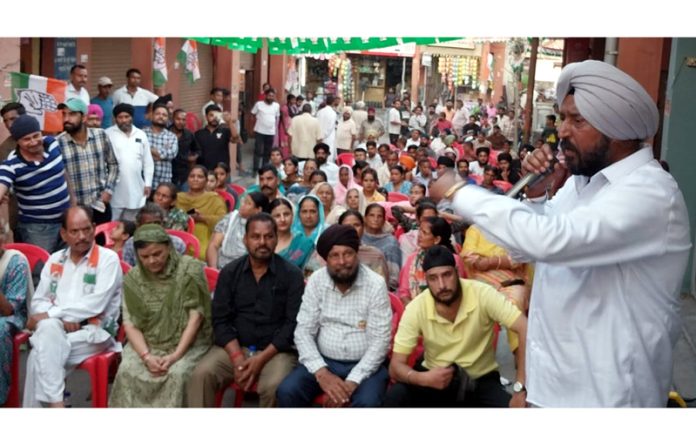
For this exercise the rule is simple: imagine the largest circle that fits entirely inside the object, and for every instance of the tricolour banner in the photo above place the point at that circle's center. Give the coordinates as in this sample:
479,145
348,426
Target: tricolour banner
40,97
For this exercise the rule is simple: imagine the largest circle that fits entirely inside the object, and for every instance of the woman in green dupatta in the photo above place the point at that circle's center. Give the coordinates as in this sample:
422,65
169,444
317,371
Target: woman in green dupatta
166,316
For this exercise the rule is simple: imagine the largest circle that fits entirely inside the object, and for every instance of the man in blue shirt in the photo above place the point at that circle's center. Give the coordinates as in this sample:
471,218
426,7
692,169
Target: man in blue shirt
103,99
36,174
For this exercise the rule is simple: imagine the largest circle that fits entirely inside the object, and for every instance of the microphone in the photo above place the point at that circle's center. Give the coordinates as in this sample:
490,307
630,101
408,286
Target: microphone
529,180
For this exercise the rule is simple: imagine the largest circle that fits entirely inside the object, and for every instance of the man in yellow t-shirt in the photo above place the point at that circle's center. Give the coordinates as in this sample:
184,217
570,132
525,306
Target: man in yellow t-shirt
455,317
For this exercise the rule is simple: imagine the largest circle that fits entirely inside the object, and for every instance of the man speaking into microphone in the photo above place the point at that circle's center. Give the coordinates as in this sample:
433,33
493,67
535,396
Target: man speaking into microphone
610,249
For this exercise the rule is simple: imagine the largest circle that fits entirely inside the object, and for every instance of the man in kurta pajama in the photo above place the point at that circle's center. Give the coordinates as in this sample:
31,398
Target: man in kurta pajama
74,310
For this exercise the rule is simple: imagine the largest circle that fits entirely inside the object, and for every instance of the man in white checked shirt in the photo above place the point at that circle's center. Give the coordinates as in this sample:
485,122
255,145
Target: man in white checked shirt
343,330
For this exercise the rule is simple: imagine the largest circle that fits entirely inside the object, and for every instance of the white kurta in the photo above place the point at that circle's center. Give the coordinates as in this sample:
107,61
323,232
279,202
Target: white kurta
135,166
55,352
327,121
611,255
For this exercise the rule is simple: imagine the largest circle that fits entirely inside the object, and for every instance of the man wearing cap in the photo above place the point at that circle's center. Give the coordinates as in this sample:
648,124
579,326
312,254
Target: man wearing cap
136,166
610,249
76,86
304,133
455,318
104,100
163,145
9,112
372,126
346,133
343,330
256,302
89,160
132,94
36,173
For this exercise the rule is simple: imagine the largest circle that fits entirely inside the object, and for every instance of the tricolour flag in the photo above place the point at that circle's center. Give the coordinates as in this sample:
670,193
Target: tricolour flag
188,57
40,97
159,63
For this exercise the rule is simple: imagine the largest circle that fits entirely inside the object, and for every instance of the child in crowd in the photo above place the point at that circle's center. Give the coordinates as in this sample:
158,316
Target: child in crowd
120,234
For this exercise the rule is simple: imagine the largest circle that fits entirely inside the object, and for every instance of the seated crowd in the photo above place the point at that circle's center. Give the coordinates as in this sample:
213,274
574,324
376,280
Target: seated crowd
340,284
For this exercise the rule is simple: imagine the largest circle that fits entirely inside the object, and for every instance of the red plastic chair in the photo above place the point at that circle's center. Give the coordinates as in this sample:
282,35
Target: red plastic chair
191,241
211,274
99,365
399,232
33,253
397,197
238,188
106,229
502,185
229,199
13,393
193,122
346,158
397,308
191,225
125,267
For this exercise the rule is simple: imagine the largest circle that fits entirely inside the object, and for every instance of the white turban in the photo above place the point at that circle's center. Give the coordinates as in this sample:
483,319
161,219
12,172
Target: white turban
612,101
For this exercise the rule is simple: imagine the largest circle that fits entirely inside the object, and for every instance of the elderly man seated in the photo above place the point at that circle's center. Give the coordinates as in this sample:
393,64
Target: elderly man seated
74,310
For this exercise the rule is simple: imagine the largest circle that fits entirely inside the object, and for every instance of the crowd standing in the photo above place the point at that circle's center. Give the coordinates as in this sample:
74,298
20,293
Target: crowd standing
355,272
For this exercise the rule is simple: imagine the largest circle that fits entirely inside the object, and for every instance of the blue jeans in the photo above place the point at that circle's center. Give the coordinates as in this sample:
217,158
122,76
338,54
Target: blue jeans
44,235
300,387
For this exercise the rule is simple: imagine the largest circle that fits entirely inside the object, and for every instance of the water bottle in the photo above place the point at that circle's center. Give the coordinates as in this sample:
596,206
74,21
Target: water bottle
66,399
251,351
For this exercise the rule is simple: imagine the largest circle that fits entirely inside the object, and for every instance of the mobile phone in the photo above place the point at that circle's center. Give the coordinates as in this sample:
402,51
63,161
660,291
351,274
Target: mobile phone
191,212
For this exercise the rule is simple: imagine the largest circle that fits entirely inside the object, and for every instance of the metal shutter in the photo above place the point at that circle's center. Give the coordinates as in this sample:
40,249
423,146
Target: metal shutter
110,58
193,96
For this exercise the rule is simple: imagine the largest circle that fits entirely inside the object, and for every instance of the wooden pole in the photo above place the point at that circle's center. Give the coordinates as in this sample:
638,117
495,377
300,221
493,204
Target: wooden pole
529,106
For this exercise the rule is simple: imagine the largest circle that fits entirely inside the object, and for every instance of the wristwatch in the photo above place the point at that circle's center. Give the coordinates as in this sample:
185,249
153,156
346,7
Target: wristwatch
518,387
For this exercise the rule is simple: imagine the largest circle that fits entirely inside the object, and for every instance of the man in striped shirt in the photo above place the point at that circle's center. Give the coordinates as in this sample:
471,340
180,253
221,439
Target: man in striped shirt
36,174
89,160
163,145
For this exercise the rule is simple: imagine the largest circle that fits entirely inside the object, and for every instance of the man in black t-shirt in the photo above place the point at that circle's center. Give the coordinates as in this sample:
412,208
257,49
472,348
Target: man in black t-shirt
189,151
216,141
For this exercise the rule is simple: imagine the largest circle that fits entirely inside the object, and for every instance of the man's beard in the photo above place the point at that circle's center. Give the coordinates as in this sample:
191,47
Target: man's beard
456,295
126,128
321,161
370,118
344,278
159,124
588,163
71,128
